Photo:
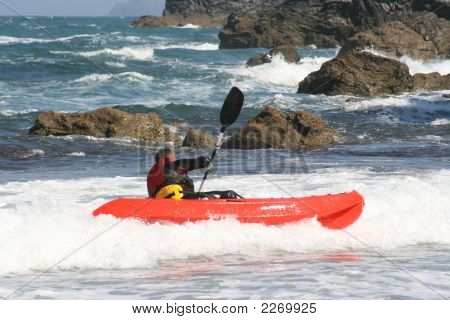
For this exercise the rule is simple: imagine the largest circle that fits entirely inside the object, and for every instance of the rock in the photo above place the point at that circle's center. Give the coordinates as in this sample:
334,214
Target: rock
300,23
272,128
432,29
196,138
440,7
207,13
393,38
431,82
330,23
446,96
288,53
358,73
179,21
365,74
104,122
189,8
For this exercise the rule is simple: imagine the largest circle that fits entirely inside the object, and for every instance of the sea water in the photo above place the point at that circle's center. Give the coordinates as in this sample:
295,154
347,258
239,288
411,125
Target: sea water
395,150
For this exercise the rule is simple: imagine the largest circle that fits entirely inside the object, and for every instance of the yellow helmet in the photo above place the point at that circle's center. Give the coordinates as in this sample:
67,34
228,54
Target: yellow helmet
172,191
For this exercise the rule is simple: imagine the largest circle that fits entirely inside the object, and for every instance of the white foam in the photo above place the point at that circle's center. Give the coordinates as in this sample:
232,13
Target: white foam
116,64
6,40
142,53
424,104
418,65
31,154
10,113
440,122
77,154
132,76
191,46
189,26
43,221
278,72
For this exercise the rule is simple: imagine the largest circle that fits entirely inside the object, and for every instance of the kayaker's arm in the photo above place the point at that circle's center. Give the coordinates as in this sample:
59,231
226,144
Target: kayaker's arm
190,164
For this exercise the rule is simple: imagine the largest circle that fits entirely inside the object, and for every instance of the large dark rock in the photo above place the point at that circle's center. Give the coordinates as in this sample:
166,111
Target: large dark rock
272,128
446,96
199,139
208,13
396,39
104,122
288,53
330,23
190,8
301,23
365,74
440,7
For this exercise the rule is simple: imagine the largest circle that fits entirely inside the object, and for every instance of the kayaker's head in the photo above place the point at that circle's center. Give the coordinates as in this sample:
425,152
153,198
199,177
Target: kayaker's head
166,153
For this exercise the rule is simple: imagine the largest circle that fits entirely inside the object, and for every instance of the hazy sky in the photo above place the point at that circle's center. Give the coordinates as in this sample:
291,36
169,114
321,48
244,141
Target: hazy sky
60,7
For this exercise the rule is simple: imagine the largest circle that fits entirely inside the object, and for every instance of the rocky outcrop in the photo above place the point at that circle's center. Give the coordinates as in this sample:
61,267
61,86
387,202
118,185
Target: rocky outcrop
431,82
329,23
440,7
365,74
301,23
192,8
395,39
202,12
199,139
272,128
179,21
104,122
288,53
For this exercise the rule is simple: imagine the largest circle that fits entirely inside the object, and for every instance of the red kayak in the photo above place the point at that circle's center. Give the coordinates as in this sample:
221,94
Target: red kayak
335,211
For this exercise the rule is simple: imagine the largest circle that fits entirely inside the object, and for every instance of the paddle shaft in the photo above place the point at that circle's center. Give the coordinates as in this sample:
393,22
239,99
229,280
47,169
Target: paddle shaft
216,148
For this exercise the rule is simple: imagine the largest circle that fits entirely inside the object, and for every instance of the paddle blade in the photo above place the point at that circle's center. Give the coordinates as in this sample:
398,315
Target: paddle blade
231,107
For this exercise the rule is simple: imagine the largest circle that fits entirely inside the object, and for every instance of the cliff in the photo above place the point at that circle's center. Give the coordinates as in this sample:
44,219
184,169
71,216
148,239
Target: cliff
202,12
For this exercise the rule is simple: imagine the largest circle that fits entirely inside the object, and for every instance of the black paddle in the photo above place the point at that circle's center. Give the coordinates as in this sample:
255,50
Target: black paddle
230,112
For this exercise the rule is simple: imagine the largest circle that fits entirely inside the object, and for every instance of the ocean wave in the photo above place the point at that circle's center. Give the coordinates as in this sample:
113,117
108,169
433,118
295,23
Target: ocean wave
132,76
133,53
278,72
116,64
77,154
419,65
191,46
440,122
6,40
189,26
425,104
62,209
11,113
28,153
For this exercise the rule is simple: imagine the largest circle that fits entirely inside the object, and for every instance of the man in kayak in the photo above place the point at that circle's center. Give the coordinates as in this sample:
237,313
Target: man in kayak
168,178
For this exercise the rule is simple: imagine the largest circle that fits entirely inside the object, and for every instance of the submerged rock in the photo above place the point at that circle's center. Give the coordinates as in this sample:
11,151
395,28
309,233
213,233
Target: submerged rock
196,138
446,96
105,122
365,74
272,128
288,53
